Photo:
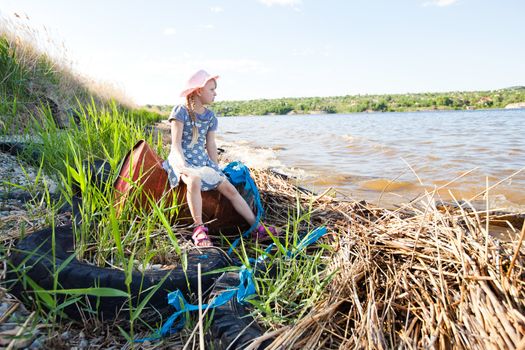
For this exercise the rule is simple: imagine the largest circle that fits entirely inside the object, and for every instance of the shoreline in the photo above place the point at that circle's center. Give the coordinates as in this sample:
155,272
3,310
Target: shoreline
437,110
314,113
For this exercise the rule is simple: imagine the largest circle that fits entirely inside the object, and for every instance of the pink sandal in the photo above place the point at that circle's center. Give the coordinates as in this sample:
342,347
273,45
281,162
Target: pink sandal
261,232
200,236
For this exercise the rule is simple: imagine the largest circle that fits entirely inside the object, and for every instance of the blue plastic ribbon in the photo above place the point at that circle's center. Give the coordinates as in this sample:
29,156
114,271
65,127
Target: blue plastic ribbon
244,291
181,305
309,239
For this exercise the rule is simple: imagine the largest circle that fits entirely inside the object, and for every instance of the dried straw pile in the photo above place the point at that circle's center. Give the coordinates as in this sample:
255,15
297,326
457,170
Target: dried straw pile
419,277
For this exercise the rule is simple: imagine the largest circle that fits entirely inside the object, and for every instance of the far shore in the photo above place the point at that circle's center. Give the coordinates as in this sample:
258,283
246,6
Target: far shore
163,123
513,97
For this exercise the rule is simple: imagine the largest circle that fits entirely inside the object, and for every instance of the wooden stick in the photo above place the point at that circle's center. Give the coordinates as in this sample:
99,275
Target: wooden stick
522,235
9,311
20,331
201,328
197,327
487,219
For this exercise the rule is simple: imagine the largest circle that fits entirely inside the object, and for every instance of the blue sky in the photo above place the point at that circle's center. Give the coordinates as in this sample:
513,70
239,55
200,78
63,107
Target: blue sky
287,48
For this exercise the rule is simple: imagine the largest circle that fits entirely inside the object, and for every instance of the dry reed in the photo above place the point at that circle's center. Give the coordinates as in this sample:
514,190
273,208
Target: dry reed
419,277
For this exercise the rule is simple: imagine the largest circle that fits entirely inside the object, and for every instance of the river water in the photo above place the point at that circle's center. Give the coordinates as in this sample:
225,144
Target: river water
390,158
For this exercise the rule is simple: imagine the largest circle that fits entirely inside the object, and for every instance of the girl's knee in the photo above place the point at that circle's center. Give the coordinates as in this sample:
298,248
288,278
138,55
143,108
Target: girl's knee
193,182
228,190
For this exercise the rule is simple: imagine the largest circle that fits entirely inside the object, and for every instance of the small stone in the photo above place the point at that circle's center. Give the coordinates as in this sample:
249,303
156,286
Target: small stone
66,335
83,344
37,344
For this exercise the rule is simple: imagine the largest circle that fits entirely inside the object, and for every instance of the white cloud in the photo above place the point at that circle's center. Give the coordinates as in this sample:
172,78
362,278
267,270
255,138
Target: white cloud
440,3
281,2
169,31
208,26
216,9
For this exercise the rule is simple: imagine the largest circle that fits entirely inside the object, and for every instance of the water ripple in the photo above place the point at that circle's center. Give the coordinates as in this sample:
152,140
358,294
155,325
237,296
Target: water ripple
438,146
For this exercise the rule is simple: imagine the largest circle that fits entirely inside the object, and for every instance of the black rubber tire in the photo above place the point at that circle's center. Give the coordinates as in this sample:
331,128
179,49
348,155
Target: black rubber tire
232,327
32,257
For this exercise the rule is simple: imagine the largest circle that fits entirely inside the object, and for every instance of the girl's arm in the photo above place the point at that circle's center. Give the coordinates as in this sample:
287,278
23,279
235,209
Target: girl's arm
176,143
211,146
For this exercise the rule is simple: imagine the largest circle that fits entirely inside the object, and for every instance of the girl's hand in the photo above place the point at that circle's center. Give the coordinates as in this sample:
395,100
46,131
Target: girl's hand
183,170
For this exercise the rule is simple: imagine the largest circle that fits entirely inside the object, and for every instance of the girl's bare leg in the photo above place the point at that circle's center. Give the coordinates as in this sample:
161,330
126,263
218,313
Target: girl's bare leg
240,205
194,197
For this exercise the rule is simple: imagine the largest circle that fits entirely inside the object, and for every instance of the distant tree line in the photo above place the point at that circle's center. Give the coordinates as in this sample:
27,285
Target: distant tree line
370,103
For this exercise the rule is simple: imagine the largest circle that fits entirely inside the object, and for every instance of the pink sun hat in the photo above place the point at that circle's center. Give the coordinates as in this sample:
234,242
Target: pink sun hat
197,81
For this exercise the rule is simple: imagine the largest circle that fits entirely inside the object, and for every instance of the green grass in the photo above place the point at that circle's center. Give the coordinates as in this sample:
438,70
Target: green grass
103,134
103,238
136,238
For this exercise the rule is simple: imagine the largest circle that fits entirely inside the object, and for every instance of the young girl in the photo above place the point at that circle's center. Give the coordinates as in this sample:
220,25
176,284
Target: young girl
193,156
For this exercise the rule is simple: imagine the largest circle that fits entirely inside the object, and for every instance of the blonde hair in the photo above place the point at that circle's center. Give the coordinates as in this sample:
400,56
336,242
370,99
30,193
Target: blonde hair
190,105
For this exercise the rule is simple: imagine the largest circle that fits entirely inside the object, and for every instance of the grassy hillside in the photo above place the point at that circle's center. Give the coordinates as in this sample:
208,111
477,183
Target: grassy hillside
33,81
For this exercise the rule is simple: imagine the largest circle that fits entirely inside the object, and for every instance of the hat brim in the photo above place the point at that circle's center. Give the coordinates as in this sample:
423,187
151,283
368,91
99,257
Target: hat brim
188,91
